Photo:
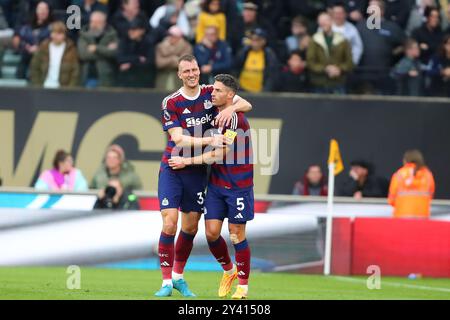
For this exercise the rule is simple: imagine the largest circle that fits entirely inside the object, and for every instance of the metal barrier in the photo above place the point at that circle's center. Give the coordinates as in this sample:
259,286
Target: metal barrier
258,197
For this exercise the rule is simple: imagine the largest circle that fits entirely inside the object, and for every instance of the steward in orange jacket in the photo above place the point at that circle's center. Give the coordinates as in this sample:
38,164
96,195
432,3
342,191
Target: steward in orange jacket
412,188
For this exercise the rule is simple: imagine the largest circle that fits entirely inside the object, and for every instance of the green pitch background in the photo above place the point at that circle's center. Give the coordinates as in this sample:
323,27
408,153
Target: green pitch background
50,283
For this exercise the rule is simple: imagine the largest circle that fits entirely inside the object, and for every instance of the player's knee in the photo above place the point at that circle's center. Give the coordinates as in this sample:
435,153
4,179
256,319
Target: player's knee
191,230
212,235
170,228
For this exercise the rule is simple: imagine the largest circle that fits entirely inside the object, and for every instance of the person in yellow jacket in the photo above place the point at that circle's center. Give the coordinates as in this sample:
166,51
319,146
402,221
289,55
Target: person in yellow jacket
211,15
412,187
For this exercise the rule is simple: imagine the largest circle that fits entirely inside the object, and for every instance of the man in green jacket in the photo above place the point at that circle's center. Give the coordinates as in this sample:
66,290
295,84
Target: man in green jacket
329,58
97,48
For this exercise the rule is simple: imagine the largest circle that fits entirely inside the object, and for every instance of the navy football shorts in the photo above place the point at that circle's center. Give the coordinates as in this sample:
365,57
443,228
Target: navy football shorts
235,204
182,190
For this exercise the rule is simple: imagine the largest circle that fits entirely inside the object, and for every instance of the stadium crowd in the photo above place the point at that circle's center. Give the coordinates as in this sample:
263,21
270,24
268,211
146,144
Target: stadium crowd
287,45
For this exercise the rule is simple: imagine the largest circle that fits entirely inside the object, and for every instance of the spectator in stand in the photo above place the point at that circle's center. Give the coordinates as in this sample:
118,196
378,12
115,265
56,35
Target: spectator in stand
63,176
233,16
356,9
273,11
150,6
308,9
169,14
312,183
250,21
5,30
398,11
25,7
417,16
28,37
412,187
380,48
7,12
447,19
429,35
22,10
440,70
329,58
115,166
257,65
299,38
348,30
115,197
87,7
97,48
6,35
211,15
408,71
129,12
293,76
192,9
362,182
136,57
56,64
213,55
168,52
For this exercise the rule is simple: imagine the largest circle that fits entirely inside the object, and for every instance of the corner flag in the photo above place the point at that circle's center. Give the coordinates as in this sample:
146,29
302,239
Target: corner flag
335,157
335,166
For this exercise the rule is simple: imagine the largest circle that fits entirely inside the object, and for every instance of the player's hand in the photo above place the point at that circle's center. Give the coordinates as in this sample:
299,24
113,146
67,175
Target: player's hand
413,73
354,175
229,137
177,163
229,141
424,46
92,48
224,117
358,195
218,141
113,46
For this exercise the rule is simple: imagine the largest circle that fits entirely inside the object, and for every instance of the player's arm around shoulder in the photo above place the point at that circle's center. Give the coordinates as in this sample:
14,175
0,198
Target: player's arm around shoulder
217,154
210,157
239,105
183,140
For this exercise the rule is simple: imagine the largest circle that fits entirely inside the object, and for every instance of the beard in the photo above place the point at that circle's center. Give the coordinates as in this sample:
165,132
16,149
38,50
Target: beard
96,32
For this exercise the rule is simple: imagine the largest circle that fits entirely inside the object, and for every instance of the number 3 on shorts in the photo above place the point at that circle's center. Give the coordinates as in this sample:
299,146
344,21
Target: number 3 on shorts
240,204
200,200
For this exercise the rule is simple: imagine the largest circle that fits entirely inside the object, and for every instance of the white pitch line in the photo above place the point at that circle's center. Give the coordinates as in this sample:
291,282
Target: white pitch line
395,284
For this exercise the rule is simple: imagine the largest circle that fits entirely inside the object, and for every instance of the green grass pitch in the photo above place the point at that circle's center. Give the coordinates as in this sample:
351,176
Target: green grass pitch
50,283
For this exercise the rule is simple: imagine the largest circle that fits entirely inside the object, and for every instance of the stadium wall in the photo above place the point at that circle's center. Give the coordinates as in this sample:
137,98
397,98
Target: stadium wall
399,247
35,123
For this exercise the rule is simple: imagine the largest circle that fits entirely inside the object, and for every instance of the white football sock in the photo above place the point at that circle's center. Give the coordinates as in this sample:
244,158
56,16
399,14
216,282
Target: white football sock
231,271
244,286
167,283
177,276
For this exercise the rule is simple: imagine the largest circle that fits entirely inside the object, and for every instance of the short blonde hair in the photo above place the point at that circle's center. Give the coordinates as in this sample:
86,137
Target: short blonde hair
58,27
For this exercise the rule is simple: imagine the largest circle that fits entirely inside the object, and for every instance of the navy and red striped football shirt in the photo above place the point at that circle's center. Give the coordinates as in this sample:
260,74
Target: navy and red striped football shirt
193,114
235,171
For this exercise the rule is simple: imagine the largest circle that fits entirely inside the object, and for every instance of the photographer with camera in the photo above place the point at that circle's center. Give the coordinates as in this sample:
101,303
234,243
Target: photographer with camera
114,196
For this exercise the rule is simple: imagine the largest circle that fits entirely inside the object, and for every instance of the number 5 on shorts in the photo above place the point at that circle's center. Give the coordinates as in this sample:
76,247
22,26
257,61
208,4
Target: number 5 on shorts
240,204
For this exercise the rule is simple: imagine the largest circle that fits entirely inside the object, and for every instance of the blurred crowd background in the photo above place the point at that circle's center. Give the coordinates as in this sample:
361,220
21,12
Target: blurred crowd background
270,46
